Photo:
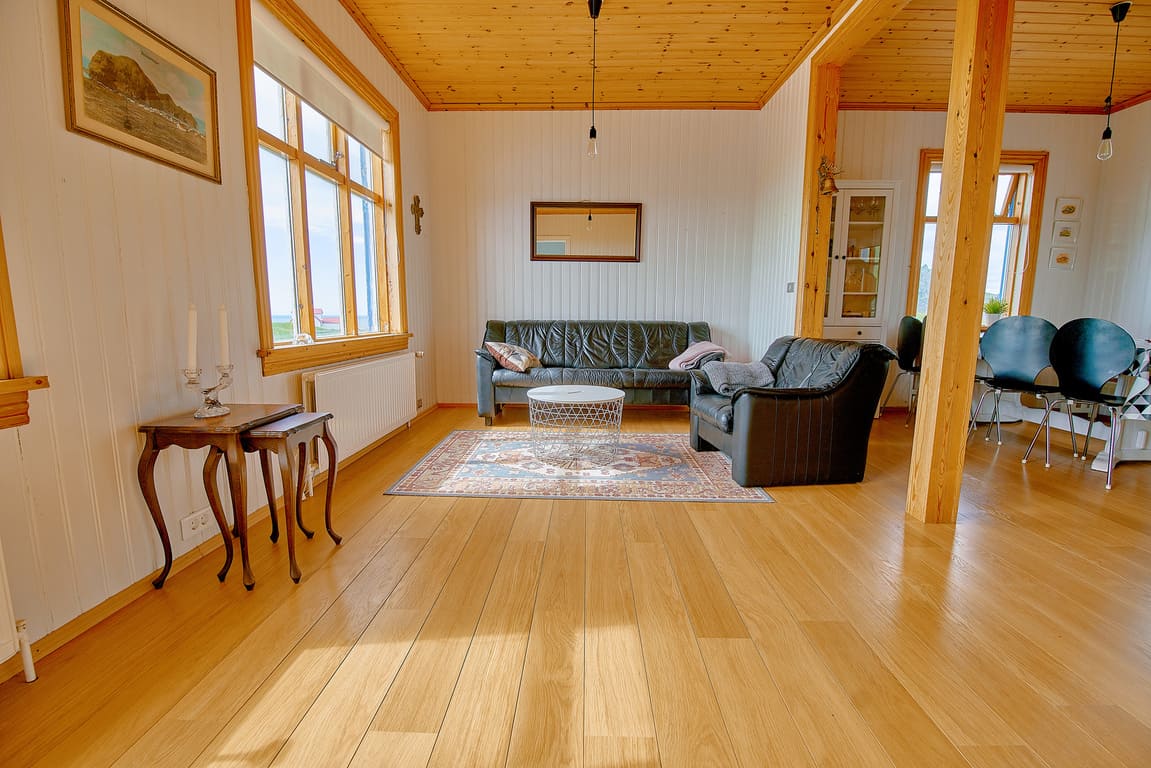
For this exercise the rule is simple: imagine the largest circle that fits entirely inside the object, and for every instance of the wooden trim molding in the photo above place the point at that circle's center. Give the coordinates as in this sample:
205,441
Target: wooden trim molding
14,385
295,358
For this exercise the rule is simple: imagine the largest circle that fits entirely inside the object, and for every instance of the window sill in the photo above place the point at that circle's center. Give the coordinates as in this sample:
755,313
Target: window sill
14,399
296,358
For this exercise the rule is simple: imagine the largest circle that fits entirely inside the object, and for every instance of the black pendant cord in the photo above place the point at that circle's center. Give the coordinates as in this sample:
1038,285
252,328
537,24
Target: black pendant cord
1110,88
593,70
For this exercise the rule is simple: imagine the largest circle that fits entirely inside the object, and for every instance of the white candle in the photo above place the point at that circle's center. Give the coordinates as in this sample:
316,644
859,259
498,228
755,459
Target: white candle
224,336
191,337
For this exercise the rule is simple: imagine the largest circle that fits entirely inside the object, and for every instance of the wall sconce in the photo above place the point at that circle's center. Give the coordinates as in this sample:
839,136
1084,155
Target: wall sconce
827,174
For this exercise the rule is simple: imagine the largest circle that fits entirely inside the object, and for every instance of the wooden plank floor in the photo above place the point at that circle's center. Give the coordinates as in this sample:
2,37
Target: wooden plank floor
824,629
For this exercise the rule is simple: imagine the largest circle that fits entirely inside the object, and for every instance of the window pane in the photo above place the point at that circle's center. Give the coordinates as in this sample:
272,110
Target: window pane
359,163
278,241
317,131
1002,187
934,184
926,256
270,115
364,257
324,248
998,260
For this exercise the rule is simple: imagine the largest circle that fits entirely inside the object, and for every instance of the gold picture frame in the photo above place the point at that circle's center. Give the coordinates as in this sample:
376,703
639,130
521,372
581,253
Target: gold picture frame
127,86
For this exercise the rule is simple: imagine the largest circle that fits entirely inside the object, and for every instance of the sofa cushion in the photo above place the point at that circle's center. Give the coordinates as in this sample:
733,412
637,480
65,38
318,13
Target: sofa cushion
713,408
596,345
543,337
815,363
536,377
655,345
660,379
512,357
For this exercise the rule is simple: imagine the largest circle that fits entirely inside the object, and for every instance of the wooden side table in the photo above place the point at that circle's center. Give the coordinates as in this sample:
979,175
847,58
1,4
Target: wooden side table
289,437
222,433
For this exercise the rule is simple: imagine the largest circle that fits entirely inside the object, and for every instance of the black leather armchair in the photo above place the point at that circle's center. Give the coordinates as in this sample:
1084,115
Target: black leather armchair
811,427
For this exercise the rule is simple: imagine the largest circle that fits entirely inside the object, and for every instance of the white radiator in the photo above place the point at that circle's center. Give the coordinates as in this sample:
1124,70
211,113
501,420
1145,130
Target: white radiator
368,400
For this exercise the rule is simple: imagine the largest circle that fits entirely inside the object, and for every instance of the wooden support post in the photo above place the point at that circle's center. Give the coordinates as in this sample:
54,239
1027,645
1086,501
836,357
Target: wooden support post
959,271
822,128
864,20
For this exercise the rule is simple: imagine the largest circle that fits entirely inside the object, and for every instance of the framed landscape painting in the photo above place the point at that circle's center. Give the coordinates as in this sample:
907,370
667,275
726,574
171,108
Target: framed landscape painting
126,85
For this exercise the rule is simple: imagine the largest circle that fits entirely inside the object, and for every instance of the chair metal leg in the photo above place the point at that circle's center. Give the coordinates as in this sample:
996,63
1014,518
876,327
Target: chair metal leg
971,426
1068,405
1044,422
1090,429
890,392
998,427
1114,439
994,415
912,397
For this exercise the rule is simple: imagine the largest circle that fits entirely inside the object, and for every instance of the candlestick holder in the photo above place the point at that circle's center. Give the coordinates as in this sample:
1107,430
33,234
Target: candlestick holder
212,406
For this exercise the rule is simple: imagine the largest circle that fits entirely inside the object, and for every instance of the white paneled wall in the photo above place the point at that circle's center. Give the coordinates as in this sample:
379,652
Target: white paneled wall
694,172
885,145
106,250
1120,275
782,131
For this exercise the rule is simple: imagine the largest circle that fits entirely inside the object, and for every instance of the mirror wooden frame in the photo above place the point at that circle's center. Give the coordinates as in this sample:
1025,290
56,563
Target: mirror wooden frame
628,252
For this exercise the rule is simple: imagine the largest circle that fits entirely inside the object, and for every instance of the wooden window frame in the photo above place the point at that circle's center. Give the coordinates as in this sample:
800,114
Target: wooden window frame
14,385
282,358
300,162
1029,219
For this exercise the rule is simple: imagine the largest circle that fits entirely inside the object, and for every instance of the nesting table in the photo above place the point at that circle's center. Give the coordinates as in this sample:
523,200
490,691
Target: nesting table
251,427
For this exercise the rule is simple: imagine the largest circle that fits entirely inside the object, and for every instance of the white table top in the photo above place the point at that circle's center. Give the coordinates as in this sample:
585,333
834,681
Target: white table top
572,393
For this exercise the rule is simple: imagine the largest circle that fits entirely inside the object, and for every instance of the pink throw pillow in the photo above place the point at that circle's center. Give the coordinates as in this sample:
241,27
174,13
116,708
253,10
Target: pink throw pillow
512,357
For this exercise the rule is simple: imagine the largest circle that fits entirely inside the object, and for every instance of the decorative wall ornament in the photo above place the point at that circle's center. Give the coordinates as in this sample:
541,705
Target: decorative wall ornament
417,213
129,87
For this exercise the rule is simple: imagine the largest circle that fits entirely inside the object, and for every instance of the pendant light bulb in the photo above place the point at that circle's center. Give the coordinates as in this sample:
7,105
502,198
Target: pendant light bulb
1106,150
593,8
1118,14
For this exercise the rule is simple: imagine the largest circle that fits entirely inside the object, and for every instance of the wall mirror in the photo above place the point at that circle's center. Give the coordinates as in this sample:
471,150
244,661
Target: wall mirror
585,231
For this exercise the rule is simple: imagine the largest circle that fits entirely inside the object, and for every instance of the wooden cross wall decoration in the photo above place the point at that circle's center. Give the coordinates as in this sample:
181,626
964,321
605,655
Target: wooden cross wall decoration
418,212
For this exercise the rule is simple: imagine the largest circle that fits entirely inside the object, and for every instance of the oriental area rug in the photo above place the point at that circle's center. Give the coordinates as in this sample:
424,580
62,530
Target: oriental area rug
640,467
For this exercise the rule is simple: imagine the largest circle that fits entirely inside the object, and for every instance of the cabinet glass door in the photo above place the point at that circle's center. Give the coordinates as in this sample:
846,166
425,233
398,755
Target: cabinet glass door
862,255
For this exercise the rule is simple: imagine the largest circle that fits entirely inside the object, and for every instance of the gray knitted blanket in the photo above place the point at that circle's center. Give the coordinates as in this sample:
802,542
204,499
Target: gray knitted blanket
726,378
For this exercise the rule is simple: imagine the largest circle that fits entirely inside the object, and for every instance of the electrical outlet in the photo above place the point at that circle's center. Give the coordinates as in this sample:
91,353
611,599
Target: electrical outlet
194,525
419,402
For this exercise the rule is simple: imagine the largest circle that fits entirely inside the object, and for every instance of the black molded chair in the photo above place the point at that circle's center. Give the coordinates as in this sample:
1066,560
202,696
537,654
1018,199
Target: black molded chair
1016,349
1086,354
908,347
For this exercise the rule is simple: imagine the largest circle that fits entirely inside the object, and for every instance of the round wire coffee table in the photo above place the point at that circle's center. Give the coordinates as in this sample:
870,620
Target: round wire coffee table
574,420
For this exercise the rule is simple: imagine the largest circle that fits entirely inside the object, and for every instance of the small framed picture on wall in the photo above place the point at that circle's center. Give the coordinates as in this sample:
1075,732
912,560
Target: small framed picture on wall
1065,233
1062,258
1068,207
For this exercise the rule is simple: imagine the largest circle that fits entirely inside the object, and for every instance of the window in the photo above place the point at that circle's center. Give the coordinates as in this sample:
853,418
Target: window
326,229
1014,229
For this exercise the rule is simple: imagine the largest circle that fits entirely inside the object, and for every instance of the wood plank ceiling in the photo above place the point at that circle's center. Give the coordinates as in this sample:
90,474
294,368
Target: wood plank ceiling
1060,58
733,54
662,54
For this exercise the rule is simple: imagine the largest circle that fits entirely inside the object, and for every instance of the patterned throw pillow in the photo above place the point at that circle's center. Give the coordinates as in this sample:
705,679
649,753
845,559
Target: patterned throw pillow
512,357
